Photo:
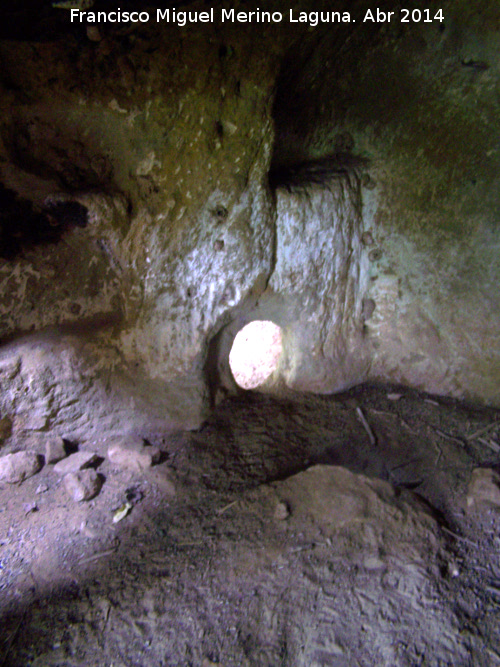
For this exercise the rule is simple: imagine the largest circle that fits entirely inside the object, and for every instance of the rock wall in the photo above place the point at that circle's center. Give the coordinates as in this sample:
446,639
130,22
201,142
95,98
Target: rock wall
118,314
170,160
418,101
323,288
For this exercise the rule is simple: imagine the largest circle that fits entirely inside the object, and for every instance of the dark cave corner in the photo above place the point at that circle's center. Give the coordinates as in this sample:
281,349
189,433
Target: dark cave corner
298,160
23,228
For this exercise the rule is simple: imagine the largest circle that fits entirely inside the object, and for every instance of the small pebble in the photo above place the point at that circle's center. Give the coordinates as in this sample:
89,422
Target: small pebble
282,511
374,563
30,507
93,33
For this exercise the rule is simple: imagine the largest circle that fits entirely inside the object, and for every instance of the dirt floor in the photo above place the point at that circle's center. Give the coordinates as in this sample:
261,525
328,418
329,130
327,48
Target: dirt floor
302,531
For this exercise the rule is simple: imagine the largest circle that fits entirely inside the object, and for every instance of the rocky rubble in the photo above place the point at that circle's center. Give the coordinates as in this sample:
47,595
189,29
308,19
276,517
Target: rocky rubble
77,470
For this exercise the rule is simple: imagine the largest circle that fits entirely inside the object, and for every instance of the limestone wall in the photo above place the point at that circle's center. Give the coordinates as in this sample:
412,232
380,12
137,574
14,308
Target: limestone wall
386,270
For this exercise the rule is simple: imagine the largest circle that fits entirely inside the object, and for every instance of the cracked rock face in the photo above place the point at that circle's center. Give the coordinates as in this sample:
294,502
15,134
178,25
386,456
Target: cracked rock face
140,229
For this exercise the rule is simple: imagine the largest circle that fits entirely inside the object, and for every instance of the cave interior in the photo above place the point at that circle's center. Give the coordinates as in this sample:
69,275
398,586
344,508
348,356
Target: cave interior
249,335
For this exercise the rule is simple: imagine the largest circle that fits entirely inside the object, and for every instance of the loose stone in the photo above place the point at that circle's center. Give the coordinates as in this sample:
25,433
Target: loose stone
83,485
281,511
15,468
54,450
135,457
75,462
484,489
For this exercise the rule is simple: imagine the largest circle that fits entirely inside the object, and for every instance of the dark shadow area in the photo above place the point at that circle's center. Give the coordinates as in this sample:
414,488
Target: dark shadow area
40,21
85,327
316,172
22,228
283,436
303,103
167,584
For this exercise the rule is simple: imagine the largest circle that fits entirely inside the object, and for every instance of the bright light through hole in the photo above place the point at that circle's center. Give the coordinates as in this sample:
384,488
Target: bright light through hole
255,353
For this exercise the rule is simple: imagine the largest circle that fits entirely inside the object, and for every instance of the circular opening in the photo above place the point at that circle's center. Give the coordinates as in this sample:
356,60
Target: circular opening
255,353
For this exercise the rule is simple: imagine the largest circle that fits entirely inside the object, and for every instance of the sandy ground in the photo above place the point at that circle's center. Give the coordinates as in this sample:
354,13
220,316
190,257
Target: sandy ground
304,531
